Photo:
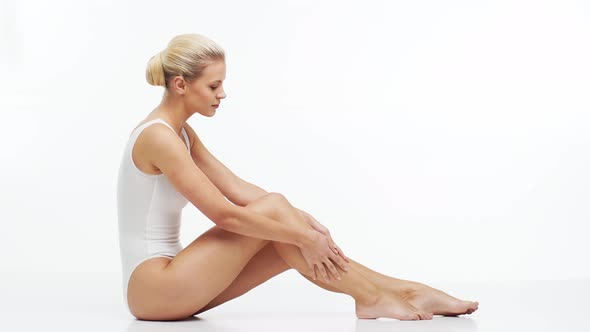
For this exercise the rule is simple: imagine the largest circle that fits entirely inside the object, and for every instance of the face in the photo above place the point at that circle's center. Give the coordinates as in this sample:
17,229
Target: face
204,95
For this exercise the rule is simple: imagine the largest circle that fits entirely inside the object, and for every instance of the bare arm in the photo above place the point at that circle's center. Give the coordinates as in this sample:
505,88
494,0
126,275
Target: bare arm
244,221
169,155
235,189
248,192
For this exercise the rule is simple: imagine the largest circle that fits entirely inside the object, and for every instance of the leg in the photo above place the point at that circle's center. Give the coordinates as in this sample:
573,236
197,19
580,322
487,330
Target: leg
205,268
254,273
175,289
422,297
193,278
419,295
371,301
265,265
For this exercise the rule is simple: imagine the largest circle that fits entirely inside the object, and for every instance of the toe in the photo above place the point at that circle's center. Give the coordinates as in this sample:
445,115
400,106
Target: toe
413,316
425,316
459,308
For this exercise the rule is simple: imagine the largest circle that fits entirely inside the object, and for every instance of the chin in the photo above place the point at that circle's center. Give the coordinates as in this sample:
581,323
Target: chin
207,114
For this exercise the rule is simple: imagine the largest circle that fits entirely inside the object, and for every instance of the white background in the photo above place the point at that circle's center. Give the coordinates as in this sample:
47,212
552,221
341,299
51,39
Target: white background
438,141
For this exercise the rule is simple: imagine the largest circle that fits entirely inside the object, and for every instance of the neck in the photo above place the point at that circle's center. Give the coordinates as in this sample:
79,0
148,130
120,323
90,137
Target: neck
173,111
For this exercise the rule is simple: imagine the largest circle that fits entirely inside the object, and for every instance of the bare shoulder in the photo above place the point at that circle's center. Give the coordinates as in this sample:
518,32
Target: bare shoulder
166,151
154,145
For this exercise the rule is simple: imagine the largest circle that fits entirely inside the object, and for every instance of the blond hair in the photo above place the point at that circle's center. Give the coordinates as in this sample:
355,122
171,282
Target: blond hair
186,56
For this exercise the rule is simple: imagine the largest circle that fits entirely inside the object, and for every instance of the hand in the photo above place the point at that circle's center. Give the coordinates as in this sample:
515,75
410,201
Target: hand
319,253
322,229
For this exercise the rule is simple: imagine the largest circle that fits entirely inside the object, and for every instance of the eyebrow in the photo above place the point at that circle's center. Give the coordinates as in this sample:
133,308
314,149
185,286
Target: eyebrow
216,81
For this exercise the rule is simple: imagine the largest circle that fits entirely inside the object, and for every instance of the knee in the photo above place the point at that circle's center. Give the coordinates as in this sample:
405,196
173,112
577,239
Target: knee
270,204
278,202
275,204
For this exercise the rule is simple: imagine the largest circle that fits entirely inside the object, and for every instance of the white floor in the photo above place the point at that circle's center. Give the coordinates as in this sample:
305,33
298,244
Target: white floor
94,303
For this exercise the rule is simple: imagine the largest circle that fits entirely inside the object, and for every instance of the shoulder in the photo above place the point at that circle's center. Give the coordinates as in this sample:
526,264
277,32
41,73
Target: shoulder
157,142
156,133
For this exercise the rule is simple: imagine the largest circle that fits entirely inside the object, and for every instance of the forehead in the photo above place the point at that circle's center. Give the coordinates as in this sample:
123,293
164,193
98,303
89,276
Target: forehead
214,71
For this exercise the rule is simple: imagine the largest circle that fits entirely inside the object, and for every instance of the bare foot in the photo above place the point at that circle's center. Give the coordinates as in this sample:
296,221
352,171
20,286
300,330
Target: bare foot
390,305
432,300
420,296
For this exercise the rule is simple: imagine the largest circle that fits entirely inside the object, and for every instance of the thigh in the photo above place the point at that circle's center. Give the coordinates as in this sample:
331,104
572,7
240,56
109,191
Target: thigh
265,265
198,273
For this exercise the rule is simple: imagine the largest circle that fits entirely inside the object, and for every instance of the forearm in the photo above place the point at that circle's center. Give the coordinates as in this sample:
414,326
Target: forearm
247,193
247,222
250,192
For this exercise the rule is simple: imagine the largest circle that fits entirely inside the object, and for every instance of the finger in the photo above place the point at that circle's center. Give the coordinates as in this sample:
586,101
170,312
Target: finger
334,245
337,250
324,273
333,270
338,260
319,274
342,254
341,263
314,275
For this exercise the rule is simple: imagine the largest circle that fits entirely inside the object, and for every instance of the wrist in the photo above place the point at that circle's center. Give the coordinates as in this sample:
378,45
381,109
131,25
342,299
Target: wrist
309,236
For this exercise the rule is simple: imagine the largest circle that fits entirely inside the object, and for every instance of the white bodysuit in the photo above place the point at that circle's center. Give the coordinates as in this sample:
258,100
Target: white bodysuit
149,211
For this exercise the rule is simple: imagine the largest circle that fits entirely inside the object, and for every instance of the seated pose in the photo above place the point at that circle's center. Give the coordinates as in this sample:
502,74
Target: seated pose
257,234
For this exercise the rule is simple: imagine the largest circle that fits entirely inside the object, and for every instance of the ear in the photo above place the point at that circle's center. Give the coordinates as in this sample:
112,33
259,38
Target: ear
179,85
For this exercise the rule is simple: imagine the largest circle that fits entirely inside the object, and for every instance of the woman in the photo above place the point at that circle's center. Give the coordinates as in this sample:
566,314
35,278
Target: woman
260,235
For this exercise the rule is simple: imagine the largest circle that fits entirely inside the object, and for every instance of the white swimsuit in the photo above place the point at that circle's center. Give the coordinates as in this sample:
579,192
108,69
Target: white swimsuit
149,211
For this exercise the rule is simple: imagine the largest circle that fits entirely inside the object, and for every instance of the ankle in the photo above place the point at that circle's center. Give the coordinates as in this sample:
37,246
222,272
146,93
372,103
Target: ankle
368,296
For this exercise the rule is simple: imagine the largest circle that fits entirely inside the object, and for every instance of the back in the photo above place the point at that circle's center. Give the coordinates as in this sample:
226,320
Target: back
149,211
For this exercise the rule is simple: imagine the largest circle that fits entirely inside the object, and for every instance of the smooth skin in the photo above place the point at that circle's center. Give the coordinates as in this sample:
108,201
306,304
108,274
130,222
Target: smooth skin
257,235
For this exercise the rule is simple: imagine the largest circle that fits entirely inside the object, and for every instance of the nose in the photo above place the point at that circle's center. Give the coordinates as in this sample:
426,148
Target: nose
221,95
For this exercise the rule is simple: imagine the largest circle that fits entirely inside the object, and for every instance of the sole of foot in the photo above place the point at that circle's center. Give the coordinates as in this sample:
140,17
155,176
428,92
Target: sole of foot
388,305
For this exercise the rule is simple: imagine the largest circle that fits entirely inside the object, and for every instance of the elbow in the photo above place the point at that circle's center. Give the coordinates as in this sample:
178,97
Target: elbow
227,220
226,223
